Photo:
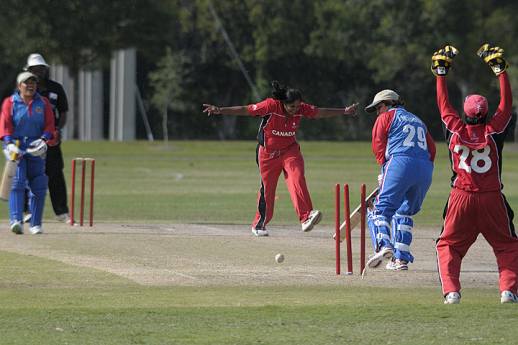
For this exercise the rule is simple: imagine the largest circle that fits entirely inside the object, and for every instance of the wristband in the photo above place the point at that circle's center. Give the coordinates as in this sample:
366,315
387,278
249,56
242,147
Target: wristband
46,136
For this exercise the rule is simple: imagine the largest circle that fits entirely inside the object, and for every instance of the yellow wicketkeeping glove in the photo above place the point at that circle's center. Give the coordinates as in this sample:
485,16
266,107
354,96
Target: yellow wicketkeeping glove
442,60
494,57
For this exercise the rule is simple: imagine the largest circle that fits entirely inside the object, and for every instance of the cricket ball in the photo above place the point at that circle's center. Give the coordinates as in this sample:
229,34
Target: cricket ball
279,258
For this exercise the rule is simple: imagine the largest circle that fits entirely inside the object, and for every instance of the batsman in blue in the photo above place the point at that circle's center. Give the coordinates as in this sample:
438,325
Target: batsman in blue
405,152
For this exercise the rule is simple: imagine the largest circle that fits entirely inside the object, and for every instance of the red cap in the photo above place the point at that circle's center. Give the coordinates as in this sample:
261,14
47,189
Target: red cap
475,106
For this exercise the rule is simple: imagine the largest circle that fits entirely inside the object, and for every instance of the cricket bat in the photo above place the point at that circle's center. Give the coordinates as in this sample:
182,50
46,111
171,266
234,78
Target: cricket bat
356,214
7,176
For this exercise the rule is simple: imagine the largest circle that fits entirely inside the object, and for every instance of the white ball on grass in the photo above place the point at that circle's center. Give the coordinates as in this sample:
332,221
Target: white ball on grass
279,258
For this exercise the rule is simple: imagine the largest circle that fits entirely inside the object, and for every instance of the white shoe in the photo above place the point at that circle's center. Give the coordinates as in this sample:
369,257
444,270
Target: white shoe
27,217
508,297
375,260
17,227
397,265
35,230
64,218
314,218
260,232
452,298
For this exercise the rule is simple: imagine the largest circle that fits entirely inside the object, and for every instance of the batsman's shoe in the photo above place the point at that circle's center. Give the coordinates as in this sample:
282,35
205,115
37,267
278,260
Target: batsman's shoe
314,218
397,265
508,297
375,260
452,298
27,217
36,230
260,232
17,227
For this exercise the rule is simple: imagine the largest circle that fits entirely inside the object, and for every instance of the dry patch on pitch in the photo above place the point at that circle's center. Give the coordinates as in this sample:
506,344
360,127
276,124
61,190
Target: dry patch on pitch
204,255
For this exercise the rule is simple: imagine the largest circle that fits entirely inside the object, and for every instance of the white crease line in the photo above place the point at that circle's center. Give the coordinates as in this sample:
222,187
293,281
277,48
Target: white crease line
182,274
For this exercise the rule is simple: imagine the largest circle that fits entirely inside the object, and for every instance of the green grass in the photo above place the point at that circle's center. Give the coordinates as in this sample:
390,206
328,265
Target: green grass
217,182
341,323
48,302
52,303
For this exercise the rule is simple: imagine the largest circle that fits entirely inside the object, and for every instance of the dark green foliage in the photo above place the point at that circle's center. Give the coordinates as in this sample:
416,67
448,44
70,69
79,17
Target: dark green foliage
336,52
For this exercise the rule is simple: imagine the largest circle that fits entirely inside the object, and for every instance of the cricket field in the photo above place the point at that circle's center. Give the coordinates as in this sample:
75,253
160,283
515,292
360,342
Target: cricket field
171,258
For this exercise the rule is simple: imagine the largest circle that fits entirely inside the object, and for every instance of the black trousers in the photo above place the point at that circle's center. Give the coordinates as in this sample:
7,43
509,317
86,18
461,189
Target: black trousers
57,185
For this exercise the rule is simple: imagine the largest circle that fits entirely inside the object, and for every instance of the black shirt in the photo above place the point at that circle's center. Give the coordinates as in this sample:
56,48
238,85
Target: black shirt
56,94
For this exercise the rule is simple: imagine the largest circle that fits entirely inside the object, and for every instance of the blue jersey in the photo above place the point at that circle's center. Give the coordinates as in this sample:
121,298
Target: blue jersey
31,121
28,120
405,150
406,136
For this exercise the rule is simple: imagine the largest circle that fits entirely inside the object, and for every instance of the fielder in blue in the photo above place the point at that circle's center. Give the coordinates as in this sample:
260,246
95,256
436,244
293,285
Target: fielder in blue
405,151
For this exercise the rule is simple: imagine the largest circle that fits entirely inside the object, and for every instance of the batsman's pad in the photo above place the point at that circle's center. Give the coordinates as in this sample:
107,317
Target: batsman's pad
494,57
442,60
379,228
38,187
402,236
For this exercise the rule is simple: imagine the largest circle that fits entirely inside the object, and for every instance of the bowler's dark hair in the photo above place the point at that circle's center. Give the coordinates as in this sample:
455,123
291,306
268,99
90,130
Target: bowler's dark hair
285,94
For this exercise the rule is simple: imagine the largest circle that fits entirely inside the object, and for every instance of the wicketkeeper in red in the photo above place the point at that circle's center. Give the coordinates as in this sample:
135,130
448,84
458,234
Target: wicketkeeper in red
278,151
476,204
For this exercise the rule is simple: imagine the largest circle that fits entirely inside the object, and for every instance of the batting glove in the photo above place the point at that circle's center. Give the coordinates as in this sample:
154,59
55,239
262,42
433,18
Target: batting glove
494,57
12,149
442,60
37,148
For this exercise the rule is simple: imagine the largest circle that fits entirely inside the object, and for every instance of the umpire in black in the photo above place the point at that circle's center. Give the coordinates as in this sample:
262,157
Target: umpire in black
54,162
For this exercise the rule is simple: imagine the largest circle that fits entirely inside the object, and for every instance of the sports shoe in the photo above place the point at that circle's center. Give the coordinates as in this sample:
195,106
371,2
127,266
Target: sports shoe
397,265
27,217
36,230
17,227
64,218
260,232
375,260
452,298
314,218
508,297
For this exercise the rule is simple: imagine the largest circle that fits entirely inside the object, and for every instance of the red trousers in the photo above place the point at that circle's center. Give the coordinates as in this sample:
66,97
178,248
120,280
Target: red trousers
468,215
271,164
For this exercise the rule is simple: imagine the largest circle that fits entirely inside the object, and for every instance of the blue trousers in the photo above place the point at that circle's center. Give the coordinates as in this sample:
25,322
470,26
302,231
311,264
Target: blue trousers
30,172
406,181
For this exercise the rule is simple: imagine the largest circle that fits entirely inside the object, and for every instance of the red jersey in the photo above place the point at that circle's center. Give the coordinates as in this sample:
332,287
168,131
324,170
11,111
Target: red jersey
476,150
277,130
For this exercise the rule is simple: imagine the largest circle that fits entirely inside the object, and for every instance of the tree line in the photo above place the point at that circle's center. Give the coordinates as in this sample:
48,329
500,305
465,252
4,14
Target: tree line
336,51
